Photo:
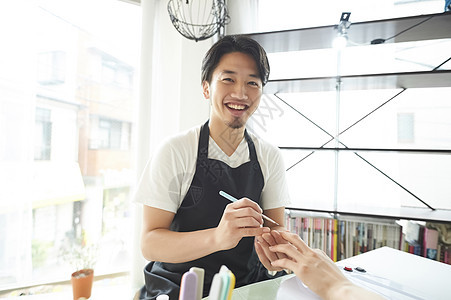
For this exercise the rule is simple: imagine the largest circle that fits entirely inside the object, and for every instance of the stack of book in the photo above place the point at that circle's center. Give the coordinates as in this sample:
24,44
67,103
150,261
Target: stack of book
345,237
444,253
425,239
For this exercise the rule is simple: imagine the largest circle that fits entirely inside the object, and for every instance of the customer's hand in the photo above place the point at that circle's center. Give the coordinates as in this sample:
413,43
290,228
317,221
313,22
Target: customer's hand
266,256
312,266
317,270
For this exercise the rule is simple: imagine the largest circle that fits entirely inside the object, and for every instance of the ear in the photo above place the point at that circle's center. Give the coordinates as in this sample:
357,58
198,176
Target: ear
206,89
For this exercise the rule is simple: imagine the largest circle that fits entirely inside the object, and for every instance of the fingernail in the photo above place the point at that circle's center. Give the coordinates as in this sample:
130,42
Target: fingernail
266,229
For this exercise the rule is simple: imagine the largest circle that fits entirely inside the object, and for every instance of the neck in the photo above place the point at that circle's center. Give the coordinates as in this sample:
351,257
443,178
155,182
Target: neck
225,137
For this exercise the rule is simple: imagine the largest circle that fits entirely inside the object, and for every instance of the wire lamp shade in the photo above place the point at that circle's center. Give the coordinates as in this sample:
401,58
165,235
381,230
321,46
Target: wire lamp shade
198,19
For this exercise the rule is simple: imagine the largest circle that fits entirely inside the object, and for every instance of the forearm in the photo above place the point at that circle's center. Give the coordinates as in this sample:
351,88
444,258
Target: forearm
158,243
175,247
278,215
350,291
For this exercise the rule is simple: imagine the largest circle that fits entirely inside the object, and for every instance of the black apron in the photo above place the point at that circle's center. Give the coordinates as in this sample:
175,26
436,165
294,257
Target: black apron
202,208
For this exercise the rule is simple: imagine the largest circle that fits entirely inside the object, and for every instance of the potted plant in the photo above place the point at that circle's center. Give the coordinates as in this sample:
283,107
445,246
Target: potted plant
82,256
81,281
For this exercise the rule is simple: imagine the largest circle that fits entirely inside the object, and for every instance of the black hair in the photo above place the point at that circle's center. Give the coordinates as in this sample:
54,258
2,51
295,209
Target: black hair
235,43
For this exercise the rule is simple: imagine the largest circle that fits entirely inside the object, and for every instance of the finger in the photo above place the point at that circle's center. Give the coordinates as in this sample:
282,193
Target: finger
268,241
265,254
295,240
245,232
272,242
244,211
285,263
243,217
246,202
246,222
261,254
289,250
277,238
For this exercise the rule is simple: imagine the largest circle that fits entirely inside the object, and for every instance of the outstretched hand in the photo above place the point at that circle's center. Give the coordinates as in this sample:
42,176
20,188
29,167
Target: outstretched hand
312,266
317,270
262,247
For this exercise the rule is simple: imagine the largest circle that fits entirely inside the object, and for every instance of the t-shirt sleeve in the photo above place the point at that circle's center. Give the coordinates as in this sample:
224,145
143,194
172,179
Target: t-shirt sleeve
275,193
161,181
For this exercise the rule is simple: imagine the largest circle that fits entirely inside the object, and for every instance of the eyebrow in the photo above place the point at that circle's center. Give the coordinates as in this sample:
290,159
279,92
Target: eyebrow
233,72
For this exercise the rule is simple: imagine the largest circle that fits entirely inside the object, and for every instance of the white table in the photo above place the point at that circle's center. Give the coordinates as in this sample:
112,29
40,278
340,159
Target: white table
430,278
396,269
113,292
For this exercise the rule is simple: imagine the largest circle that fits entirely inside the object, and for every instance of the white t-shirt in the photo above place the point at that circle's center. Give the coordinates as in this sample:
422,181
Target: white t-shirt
168,175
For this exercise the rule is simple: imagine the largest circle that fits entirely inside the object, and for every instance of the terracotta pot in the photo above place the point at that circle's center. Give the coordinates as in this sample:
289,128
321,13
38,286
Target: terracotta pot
82,283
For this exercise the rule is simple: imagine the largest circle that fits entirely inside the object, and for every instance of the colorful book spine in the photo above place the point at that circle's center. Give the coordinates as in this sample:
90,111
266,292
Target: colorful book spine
335,240
430,243
341,239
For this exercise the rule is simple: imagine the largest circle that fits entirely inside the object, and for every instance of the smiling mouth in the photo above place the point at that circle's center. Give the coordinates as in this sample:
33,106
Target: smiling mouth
236,106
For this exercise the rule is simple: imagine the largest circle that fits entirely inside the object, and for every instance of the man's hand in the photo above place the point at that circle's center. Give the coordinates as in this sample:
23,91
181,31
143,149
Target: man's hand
240,219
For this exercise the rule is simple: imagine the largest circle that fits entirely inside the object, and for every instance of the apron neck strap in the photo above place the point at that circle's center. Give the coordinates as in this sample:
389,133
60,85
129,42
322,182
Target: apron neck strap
202,151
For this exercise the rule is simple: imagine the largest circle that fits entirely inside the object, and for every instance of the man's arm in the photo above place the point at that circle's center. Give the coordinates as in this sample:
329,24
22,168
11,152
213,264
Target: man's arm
159,243
278,215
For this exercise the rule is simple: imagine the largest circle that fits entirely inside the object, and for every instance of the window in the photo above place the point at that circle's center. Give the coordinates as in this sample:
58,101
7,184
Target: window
401,136
109,134
56,188
51,67
43,134
114,73
406,133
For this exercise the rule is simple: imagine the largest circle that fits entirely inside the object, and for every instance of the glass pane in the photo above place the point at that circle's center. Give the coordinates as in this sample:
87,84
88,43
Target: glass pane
369,112
290,14
391,180
311,178
391,58
56,191
416,119
295,119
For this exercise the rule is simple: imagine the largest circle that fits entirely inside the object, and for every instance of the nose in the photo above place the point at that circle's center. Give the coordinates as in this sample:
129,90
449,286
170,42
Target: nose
239,91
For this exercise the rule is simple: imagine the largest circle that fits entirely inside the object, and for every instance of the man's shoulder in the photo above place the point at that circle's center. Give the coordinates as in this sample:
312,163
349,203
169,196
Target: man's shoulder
184,141
185,136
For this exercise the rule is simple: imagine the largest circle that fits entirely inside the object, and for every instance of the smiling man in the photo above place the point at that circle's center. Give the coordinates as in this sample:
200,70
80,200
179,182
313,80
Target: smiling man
234,89
186,223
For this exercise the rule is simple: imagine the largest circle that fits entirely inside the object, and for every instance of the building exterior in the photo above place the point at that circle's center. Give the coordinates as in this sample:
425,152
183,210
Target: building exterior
72,121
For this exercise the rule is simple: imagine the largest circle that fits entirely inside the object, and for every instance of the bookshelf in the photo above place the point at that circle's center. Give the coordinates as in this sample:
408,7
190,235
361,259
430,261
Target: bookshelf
344,236
384,223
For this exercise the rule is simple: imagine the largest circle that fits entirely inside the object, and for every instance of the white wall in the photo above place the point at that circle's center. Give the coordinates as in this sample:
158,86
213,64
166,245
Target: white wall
243,16
170,98
171,77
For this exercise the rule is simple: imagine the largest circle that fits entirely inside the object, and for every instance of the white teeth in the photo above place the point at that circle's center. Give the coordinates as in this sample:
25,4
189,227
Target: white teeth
236,106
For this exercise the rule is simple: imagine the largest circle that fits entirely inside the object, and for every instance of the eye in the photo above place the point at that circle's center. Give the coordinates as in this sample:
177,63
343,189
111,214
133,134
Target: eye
253,83
227,79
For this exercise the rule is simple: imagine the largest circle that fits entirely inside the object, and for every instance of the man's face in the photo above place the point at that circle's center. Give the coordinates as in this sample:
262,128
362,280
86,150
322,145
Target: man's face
234,91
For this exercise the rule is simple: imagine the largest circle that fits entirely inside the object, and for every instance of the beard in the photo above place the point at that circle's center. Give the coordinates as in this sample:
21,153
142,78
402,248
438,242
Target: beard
236,123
